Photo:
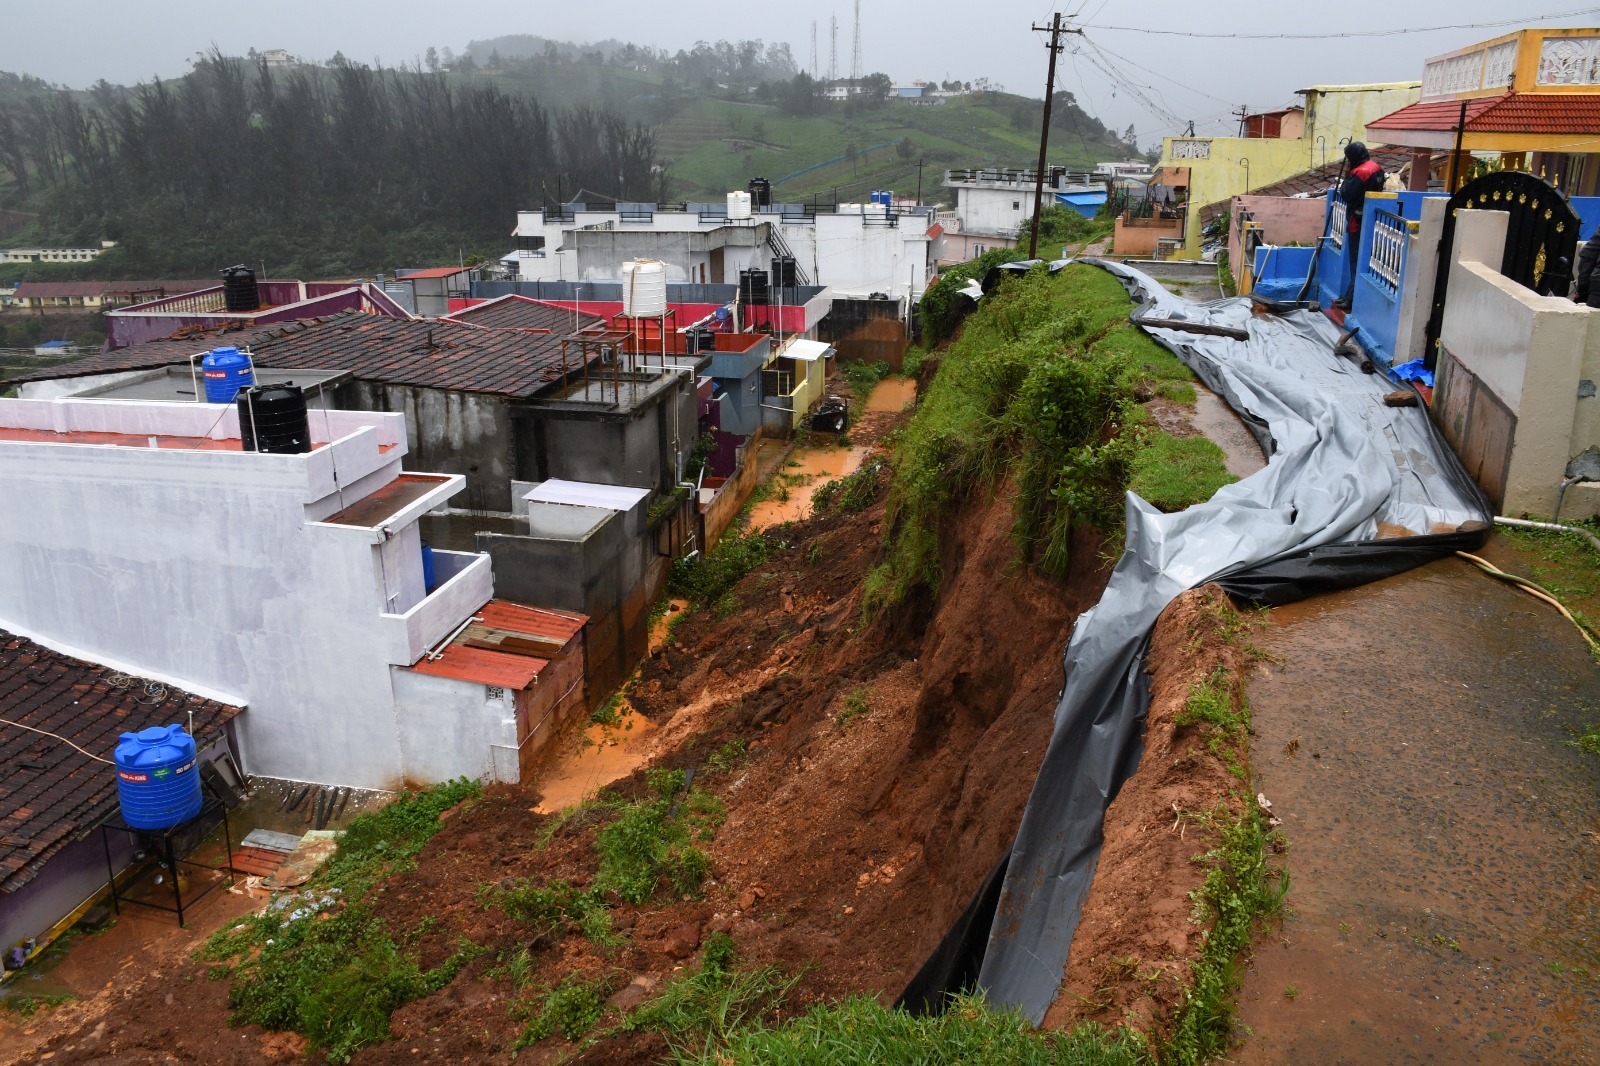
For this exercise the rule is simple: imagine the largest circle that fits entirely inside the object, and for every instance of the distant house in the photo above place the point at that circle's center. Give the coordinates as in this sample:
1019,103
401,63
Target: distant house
276,57
60,295
40,254
432,289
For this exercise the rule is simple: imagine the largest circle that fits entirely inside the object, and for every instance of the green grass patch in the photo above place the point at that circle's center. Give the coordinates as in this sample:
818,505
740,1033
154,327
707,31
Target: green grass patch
1173,473
708,1007
857,704
863,1031
28,1006
708,579
1041,388
849,494
570,1008
651,842
319,961
558,906
863,375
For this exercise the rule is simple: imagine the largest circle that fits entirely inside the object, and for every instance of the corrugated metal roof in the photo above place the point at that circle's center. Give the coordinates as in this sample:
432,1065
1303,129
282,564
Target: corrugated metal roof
498,668
534,621
436,353
804,350
50,794
54,289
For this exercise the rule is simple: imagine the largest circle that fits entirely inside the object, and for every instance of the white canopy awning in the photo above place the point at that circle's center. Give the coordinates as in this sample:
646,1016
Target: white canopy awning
805,351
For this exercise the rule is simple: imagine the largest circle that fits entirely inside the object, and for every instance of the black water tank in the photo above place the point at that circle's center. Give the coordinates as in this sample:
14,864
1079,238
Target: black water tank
783,271
239,291
760,192
700,340
272,418
752,286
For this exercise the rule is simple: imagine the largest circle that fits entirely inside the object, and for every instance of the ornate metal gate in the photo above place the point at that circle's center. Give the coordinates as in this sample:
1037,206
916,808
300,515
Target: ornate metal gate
1541,238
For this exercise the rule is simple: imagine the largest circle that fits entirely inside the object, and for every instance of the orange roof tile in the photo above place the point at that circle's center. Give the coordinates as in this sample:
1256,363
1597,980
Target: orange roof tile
1559,113
486,667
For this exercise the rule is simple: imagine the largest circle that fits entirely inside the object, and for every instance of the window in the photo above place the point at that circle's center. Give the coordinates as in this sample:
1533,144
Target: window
978,250
494,692
532,245
1016,205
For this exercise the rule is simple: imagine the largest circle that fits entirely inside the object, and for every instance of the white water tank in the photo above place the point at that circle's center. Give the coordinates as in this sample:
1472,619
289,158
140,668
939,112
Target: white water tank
644,288
849,209
738,205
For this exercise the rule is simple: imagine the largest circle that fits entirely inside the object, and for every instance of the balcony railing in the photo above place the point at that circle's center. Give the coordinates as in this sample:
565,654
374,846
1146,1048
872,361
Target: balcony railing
1386,262
1337,224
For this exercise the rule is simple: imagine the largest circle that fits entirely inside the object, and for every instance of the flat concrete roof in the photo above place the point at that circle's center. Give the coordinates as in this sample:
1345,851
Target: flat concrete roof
177,382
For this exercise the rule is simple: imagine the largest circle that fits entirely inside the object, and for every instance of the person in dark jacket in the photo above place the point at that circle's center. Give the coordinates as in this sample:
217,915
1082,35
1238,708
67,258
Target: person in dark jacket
1363,175
1584,289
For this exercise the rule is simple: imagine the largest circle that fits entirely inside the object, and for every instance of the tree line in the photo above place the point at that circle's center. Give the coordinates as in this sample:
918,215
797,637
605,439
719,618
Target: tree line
309,171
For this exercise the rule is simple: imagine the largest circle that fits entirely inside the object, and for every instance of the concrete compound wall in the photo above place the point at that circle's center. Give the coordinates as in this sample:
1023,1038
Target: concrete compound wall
450,727
1511,394
594,561
464,433
209,569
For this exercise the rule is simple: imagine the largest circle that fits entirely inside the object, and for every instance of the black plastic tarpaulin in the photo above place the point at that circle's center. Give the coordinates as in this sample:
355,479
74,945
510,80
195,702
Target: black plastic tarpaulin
1353,490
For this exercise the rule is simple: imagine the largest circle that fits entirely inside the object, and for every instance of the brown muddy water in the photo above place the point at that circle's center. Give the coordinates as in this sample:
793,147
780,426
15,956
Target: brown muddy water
802,474
1444,834
892,394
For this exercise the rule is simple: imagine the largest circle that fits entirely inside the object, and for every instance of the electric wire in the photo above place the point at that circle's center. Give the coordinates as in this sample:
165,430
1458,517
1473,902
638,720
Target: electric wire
1325,36
54,736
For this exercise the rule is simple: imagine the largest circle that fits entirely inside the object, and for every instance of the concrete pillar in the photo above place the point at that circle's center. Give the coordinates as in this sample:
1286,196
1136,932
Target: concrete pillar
1421,167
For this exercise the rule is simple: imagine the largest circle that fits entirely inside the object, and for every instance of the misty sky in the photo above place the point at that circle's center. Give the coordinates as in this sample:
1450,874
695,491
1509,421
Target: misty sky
79,42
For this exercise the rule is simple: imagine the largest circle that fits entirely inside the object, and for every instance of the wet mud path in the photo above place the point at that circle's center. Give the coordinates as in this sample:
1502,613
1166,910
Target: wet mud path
1444,835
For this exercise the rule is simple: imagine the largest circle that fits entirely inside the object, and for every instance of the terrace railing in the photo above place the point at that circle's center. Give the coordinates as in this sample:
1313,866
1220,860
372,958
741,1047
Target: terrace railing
1386,256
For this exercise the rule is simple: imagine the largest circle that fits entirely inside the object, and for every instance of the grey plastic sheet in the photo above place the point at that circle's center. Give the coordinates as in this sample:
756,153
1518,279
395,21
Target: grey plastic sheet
1341,465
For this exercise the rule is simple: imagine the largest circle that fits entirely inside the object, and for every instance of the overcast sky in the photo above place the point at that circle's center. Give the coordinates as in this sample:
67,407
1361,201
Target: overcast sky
78,42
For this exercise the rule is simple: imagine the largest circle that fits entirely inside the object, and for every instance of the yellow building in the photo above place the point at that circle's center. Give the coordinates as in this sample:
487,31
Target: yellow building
1533,96
1209,169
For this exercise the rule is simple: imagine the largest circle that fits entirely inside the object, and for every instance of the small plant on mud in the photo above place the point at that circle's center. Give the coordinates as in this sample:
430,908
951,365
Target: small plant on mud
856,705
851,493
863,375
709,578
1214,702
1290,992
727,758
556,906
571,1009
650,840
708,1006
1242,889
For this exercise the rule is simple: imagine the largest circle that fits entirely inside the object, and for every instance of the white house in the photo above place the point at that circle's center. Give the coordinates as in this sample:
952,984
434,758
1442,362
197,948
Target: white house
140,535
856,250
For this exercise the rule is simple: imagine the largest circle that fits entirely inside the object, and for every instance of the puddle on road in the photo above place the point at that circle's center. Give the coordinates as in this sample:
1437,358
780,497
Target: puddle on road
1442,831
610,755
892,394
1218,422
806,470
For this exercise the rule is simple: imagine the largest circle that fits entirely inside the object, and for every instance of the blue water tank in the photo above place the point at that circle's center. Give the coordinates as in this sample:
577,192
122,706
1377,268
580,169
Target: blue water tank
428,581
158,779
226,370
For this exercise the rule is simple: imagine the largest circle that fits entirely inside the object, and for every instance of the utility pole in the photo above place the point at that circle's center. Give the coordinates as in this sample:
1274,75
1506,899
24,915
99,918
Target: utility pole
1044,131
919,165
1242,113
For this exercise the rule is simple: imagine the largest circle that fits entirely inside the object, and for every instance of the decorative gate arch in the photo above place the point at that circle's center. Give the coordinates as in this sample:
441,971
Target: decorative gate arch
1541,238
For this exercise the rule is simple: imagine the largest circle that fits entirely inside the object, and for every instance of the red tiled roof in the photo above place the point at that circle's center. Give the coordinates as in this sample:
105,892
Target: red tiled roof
520,312
935,231
51,794
436,353
54,289
1559,113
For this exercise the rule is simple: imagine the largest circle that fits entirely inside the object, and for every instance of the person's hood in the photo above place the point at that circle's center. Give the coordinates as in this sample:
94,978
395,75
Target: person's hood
1355,153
